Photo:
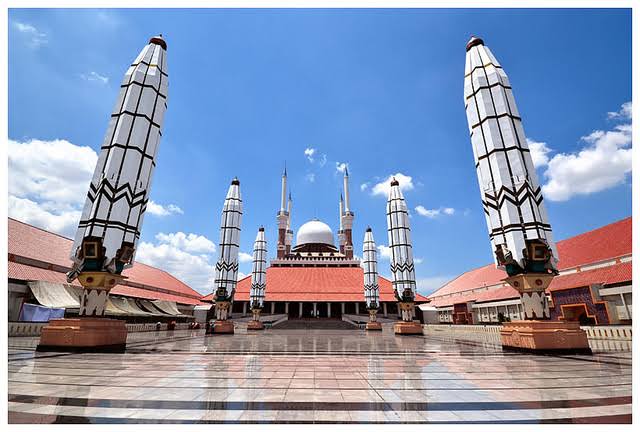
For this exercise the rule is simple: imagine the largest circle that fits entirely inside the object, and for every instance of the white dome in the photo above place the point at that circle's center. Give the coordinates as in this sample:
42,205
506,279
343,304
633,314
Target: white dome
314,231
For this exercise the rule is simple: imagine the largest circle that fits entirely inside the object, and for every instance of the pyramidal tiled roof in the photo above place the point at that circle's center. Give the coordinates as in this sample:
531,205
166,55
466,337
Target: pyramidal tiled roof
322,284
37,254
601,244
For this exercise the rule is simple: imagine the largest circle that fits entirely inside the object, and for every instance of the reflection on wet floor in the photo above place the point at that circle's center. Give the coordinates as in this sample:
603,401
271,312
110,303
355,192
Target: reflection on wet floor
313,376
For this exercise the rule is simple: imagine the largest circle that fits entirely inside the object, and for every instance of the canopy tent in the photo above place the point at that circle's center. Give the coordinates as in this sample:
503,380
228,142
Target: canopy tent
146,304
110,308
55,295
128,306
167,307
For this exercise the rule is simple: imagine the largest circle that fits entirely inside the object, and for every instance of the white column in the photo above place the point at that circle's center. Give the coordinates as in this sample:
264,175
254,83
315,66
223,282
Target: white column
384,309
328,310
342,307
357,308
314,308
273,307
300,310
286,308
244,308
347,206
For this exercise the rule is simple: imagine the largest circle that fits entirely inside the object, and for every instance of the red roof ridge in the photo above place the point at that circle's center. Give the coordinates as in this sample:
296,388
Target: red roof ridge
38,228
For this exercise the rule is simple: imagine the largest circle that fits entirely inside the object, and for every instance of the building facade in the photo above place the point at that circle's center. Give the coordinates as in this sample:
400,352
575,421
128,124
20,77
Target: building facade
594,285
39,260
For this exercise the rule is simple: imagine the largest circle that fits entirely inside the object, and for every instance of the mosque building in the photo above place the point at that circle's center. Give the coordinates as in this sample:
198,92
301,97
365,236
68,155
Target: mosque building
315,277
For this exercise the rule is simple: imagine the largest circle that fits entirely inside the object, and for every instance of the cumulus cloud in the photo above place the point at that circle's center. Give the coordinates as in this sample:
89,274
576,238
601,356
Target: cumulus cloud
342,167
244,257
34,37
162,210
384,252
48,182
539,152
186,256
433,213
364,186
309,153
188,242
383,188
311,177
604,162
624,113
95,77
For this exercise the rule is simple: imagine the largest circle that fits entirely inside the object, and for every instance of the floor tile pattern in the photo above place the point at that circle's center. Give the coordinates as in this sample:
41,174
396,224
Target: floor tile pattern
314,376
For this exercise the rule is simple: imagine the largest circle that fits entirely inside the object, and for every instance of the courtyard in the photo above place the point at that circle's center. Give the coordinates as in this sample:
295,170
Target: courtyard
314,376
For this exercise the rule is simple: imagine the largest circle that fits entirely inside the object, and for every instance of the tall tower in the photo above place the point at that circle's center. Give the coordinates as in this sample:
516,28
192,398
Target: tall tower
516,217
282,218
402,268
341,230
347,219
371,288
226,276
111,221
288,239
258,280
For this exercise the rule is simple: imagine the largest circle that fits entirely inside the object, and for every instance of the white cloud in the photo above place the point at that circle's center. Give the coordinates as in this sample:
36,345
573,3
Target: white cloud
342,166
433,213
172,254
311,177
244,257
323,160
95,77
309,153
188,242
603,163
160,210
241,275
539,152
383,188
48,182
35,38
623,114
384,252
364,186
417,260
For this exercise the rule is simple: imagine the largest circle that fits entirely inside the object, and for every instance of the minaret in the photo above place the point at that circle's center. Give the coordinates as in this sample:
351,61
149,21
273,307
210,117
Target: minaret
517,220
371,288
519,228
347,219
402,269
226,276
341,230
111,220
258,280
282,218
289,235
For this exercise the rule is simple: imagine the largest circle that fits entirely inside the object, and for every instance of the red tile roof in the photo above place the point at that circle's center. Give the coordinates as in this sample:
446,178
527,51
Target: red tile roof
617,273
144,281
605,243
328,284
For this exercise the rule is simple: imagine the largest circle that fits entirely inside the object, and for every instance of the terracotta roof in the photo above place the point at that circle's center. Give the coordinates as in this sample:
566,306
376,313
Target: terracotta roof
329,284
27,241
608,242
617,273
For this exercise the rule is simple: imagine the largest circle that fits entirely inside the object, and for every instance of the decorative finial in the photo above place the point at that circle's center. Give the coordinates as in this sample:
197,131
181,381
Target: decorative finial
474,41
261,229
158,40
368,229
394,182
235,181
284,174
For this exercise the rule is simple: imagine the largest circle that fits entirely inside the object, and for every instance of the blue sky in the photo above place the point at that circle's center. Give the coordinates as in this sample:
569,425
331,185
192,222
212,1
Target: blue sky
380,90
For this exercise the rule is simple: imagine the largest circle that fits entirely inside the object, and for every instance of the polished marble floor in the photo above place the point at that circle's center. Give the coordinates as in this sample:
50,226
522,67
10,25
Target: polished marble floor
314,376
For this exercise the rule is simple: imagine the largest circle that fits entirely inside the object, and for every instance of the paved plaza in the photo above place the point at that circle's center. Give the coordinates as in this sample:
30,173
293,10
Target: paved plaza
314,376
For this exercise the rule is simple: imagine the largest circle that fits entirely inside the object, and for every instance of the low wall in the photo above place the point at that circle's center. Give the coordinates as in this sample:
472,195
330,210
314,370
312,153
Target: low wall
34,329
601,338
